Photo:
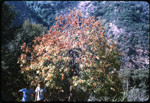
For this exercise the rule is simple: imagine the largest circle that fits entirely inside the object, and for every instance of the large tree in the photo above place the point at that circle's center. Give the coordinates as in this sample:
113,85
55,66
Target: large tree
8,15
74,60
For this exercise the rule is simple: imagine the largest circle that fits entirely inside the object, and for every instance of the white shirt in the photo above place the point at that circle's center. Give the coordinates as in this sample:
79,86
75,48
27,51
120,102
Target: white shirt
40,93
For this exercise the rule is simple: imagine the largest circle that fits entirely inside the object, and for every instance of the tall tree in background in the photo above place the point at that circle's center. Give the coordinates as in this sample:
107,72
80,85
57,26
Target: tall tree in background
74,60
8,15
7,73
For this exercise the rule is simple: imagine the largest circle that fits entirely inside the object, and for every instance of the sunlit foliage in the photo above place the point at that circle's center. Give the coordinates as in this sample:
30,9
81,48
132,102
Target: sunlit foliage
74,52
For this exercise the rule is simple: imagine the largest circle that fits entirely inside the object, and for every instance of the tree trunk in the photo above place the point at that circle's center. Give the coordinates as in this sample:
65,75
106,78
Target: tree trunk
70,98
127,79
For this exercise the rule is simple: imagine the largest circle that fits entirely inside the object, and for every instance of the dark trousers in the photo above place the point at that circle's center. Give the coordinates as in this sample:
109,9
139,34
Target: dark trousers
40,101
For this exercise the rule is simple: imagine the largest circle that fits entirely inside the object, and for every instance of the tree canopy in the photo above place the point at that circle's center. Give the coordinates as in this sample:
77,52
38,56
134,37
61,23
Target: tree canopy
74,54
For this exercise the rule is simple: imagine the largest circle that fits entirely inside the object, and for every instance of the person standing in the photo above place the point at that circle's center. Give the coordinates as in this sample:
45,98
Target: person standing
26,93
40,94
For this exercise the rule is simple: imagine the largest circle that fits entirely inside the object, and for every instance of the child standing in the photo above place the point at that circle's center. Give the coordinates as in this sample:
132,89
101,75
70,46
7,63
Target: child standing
26,93
40,94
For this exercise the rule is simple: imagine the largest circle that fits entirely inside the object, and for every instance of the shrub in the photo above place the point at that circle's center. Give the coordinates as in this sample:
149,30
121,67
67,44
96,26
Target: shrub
137,82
